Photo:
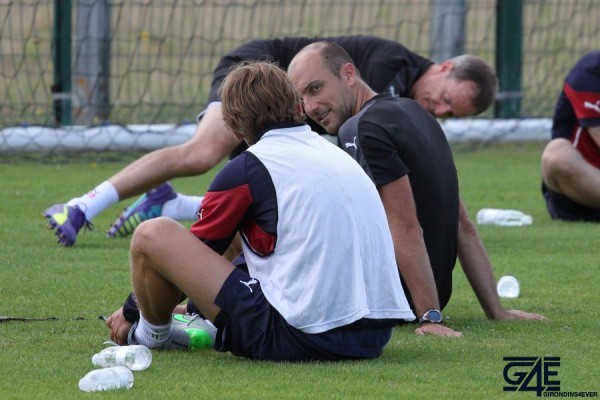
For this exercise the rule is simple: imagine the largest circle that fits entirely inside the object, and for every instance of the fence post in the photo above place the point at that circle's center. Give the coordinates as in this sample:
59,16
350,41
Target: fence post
61,57
447,29
92,62
509,58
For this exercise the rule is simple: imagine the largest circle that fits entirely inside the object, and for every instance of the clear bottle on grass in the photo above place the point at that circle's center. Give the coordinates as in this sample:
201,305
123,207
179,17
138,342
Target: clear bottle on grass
102,379
134,357
495,216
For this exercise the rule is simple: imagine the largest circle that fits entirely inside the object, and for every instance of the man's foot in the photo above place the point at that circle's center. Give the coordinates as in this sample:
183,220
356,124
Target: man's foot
66,222
201,332
188,332
147,206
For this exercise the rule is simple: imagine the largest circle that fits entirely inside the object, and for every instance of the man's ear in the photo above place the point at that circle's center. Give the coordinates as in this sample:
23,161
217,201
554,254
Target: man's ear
349,72
447,66
300,113
238,136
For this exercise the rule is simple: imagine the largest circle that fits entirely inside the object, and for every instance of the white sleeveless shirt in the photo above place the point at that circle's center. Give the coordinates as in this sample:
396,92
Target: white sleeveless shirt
334,261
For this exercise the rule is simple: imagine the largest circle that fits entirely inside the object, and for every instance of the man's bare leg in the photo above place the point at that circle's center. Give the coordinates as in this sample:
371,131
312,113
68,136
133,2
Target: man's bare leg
166,260
565,171
211,143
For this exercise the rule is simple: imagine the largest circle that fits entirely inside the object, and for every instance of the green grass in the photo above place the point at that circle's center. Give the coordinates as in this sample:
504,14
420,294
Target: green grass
556,263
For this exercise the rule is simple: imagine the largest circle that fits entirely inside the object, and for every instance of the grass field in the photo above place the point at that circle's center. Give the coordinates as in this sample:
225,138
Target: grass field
558,265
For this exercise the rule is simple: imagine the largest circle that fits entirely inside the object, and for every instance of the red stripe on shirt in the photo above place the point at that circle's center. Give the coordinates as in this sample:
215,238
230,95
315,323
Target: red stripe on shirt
585,104
222,212
261,242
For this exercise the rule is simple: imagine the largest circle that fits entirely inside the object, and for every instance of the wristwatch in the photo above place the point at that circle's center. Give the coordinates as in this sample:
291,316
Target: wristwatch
432,316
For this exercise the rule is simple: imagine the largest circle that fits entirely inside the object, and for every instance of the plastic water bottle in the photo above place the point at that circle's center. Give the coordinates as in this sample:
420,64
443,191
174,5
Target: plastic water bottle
136,357
508,287
102,379
500,217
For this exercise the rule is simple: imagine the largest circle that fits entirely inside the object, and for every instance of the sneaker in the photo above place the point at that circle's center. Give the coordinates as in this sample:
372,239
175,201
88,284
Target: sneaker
188,332
66,222
201,331
147,206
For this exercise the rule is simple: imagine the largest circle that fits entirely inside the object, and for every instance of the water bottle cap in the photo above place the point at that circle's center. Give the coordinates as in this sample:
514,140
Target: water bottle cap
508,287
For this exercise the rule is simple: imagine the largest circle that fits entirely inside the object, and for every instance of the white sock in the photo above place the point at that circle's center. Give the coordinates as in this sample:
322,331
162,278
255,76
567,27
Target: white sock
183,207
151,336
96,200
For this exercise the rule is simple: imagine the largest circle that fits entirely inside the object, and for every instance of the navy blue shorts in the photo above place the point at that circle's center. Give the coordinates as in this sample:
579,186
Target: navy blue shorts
563,208
248,326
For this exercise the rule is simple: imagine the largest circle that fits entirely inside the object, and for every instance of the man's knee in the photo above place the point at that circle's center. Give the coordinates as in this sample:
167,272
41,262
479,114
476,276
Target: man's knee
148,232
559,158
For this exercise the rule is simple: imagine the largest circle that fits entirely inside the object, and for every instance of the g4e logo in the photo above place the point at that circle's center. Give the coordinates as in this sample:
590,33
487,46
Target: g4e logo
531,374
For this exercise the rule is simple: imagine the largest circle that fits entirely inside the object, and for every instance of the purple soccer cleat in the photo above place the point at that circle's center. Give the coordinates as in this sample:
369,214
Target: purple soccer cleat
66,221
147,206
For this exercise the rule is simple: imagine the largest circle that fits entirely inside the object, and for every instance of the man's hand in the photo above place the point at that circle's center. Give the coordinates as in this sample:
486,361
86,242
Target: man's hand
119,327
436,330
180,309
506,315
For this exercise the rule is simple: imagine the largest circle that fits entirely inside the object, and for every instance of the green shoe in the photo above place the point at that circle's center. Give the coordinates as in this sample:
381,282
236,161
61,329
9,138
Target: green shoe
200,331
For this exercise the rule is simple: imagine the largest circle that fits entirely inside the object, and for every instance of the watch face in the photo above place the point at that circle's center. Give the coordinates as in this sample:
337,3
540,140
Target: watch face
434,316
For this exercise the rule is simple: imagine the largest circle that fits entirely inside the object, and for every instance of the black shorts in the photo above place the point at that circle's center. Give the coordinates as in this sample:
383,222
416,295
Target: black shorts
561,207
249,326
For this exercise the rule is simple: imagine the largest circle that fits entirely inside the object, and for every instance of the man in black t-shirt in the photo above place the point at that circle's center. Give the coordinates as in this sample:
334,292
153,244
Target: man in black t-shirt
462,86
405,153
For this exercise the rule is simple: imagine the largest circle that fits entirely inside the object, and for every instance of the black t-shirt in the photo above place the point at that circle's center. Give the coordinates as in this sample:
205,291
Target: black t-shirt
392,137
385,65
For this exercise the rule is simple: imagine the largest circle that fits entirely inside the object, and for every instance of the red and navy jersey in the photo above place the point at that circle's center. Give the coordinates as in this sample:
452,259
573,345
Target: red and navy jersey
578,107
242,196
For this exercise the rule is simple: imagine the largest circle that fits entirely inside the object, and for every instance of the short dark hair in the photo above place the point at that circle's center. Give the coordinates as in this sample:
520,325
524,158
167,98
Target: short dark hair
468,67
334,56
